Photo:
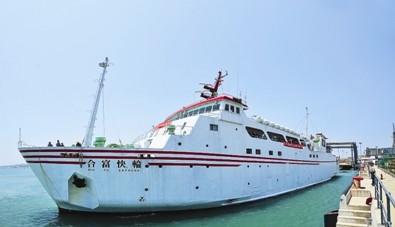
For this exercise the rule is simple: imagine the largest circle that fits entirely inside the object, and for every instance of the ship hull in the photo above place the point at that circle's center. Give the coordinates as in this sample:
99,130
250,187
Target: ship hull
146,180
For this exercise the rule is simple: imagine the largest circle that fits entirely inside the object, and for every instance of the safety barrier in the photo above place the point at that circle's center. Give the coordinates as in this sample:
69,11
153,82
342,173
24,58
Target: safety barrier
384,211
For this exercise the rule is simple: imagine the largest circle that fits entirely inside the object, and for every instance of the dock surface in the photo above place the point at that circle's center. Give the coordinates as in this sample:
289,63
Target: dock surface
353,208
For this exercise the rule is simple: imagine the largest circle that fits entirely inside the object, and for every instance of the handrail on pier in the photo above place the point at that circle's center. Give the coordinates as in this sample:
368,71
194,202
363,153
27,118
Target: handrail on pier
384,211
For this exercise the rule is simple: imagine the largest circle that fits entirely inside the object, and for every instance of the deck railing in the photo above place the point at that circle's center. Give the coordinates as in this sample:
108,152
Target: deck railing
384,210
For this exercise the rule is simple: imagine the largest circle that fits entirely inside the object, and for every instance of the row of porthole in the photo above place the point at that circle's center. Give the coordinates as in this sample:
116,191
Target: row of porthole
260,166
197,187
179,144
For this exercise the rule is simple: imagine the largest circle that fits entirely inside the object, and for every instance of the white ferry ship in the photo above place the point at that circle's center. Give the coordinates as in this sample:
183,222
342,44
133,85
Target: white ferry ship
208,154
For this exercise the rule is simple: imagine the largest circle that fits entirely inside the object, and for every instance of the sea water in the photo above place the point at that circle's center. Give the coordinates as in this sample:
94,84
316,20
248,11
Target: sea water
24,202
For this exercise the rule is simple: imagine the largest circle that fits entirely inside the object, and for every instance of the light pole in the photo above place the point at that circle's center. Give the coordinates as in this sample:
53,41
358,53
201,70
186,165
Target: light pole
360,147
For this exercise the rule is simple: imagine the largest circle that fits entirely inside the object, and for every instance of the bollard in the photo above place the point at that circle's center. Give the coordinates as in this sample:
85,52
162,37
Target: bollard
357,181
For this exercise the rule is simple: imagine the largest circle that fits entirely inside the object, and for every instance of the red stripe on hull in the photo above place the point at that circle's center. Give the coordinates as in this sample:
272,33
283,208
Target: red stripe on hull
57,162
157,152
280,161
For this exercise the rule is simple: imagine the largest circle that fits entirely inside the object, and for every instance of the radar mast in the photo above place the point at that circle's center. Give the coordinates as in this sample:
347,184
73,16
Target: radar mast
87,142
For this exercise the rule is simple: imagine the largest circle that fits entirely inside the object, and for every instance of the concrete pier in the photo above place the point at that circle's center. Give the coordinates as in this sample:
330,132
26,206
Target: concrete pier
354,207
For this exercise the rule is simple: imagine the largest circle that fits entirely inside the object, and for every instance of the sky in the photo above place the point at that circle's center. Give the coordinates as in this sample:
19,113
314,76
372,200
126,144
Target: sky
335,57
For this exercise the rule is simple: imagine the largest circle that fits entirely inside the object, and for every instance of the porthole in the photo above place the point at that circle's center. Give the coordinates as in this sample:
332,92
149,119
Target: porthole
179,143
160,166
225,146
191,166
206,145
146,166
197,187
207,166
146,189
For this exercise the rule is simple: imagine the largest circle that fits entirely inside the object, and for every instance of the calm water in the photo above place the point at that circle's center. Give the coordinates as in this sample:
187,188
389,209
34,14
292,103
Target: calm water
23,202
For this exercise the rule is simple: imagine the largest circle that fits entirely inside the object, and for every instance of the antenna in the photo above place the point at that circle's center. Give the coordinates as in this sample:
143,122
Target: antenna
89,131
393,135
20,138
307,121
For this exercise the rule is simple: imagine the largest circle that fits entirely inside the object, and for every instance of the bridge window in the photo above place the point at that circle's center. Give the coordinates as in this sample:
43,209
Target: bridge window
292,140
227,107
303,143
213,127
237,110
232,109
256,133
323,143
208,109
276,137
216,107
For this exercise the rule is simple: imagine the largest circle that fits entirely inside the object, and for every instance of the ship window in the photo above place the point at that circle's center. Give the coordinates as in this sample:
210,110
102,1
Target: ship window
292,140
201,110
303,143
310,155
279,153
227,107
195,112
276,137
256,133
190,113
249,151
213,127
257,151
208,109
237,110
216,107
270,152
232,109
317,156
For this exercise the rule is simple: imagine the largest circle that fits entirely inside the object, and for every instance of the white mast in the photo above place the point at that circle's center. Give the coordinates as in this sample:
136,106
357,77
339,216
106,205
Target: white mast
89,131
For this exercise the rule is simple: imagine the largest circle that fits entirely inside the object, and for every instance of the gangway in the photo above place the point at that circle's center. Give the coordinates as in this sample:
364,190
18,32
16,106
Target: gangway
346,145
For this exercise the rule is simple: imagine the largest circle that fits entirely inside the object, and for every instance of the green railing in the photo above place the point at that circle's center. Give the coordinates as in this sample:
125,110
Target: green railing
387,163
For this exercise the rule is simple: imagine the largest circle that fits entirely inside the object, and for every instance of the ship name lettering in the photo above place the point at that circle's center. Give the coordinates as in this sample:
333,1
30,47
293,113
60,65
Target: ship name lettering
106,163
